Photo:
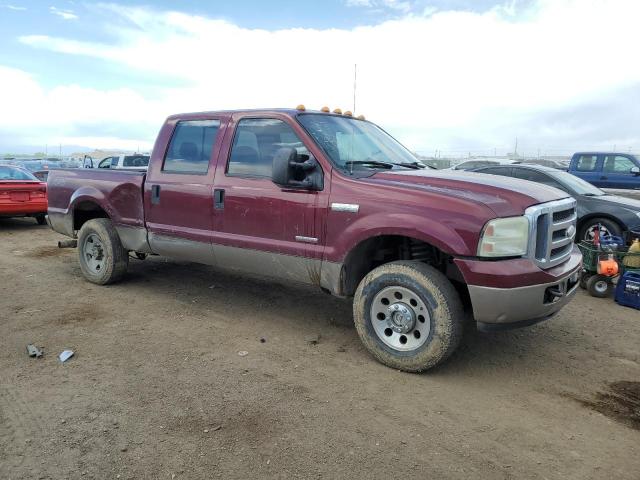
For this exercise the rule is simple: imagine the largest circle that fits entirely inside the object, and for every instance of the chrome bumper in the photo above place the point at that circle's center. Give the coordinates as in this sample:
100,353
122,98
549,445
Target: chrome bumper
523,305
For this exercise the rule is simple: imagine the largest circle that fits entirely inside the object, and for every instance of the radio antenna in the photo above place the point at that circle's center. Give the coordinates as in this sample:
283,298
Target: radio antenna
355,78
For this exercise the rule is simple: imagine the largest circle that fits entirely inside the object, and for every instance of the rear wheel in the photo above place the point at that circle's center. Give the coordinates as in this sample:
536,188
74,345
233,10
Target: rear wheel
599,286
103,259
408,315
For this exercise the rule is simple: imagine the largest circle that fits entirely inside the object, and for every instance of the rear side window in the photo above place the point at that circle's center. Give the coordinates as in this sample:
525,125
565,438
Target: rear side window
538,177
190,147
587,163
255,144
504,171
618,164
135,161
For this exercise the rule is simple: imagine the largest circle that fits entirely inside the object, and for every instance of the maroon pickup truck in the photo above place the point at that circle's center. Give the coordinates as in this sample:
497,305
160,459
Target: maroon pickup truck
334,201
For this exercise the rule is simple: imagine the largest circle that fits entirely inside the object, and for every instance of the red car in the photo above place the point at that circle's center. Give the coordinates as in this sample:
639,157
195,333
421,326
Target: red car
22,194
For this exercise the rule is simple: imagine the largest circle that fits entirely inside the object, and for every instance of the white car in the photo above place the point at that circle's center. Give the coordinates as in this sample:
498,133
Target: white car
120,162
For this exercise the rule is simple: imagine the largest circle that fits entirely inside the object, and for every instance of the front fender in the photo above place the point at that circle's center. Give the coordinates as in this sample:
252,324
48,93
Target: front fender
459,240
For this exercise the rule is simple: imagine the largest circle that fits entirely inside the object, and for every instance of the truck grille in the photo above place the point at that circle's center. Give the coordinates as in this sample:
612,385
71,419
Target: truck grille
553,228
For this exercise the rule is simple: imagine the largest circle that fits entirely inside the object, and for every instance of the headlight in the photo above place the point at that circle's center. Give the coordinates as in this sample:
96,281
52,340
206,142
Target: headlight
504,237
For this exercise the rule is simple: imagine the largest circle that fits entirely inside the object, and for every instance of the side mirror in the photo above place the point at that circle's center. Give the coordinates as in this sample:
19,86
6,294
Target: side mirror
293,170
635,171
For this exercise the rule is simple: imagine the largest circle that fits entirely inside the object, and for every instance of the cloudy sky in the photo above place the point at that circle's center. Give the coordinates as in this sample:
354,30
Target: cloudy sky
456,76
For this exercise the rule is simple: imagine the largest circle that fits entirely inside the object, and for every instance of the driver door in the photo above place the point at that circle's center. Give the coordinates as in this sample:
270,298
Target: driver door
259,226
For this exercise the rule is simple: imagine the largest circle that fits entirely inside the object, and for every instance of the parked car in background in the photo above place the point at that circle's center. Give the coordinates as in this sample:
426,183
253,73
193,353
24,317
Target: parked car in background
471,164
607,170
597,210
557,164
22,194
119,162
333,201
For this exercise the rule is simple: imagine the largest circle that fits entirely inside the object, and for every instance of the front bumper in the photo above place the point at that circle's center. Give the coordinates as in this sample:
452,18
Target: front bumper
509,306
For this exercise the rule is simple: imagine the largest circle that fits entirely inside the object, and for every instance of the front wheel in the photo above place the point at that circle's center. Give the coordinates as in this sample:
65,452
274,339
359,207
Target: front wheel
103,259
41,219
408,315
603,226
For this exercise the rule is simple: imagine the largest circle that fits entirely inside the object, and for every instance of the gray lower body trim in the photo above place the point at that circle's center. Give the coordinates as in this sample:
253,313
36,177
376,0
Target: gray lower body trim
61,223
298,269
181,249
134,238
512,305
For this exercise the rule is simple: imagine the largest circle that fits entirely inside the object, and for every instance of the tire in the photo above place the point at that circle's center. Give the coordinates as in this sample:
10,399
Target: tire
599,286
607,227
433,308
583,279
41,219
103,259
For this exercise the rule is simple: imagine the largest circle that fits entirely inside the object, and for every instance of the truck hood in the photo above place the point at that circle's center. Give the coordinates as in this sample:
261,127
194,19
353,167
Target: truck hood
504,195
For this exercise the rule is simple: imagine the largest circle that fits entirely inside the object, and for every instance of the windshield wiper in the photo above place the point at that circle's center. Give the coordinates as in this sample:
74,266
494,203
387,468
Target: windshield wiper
373,163
414,165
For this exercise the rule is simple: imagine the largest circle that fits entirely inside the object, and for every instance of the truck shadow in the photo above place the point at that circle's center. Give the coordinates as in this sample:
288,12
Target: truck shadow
307,309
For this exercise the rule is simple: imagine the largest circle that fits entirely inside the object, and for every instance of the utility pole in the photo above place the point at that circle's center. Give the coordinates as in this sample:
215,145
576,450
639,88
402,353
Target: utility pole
355,78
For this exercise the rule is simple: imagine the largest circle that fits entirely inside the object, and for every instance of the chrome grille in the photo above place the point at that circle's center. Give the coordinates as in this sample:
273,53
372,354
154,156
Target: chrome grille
552,231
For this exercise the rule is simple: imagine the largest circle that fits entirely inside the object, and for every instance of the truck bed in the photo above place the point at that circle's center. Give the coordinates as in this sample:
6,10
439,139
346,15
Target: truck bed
119,193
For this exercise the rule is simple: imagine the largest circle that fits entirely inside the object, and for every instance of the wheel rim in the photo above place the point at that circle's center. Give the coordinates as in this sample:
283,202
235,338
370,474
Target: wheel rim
601,286
590,233
93,252
400,318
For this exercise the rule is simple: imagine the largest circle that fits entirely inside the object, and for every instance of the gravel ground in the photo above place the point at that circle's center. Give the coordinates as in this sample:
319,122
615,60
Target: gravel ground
157,388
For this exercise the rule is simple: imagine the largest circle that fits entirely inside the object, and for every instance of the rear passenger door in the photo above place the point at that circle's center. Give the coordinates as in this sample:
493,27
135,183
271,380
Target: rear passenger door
616,172
179,188
259,226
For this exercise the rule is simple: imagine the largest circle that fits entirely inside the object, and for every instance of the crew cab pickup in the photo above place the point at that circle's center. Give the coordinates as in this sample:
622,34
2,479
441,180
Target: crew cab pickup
607,170
333,200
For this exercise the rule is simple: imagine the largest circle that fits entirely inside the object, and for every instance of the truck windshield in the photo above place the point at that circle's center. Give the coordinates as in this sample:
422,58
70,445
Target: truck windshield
351,143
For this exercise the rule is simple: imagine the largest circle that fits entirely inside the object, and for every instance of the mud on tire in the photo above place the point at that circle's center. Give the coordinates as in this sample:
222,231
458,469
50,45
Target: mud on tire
103,259
413,288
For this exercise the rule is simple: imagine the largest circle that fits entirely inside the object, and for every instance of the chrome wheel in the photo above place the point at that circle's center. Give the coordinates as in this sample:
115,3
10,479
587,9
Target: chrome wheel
400,318
93,251
590,233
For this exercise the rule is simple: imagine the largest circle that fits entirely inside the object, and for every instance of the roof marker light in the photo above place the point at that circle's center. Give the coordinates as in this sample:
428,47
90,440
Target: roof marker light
301,108
348,113
360,117
325,109
337,111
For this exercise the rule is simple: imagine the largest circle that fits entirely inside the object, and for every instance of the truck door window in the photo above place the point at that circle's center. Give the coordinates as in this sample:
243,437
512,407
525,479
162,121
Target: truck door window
587,163
255,144
617,164
190,147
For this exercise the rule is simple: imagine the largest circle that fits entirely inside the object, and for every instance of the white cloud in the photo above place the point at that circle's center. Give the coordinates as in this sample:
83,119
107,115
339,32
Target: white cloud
64,14
16,8
437,81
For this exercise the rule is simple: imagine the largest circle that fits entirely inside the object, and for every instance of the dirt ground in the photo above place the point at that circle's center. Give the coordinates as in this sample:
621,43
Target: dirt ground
157,388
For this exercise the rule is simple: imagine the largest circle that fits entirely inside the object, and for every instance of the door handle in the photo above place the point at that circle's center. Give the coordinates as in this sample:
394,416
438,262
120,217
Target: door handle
218,198
155,194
